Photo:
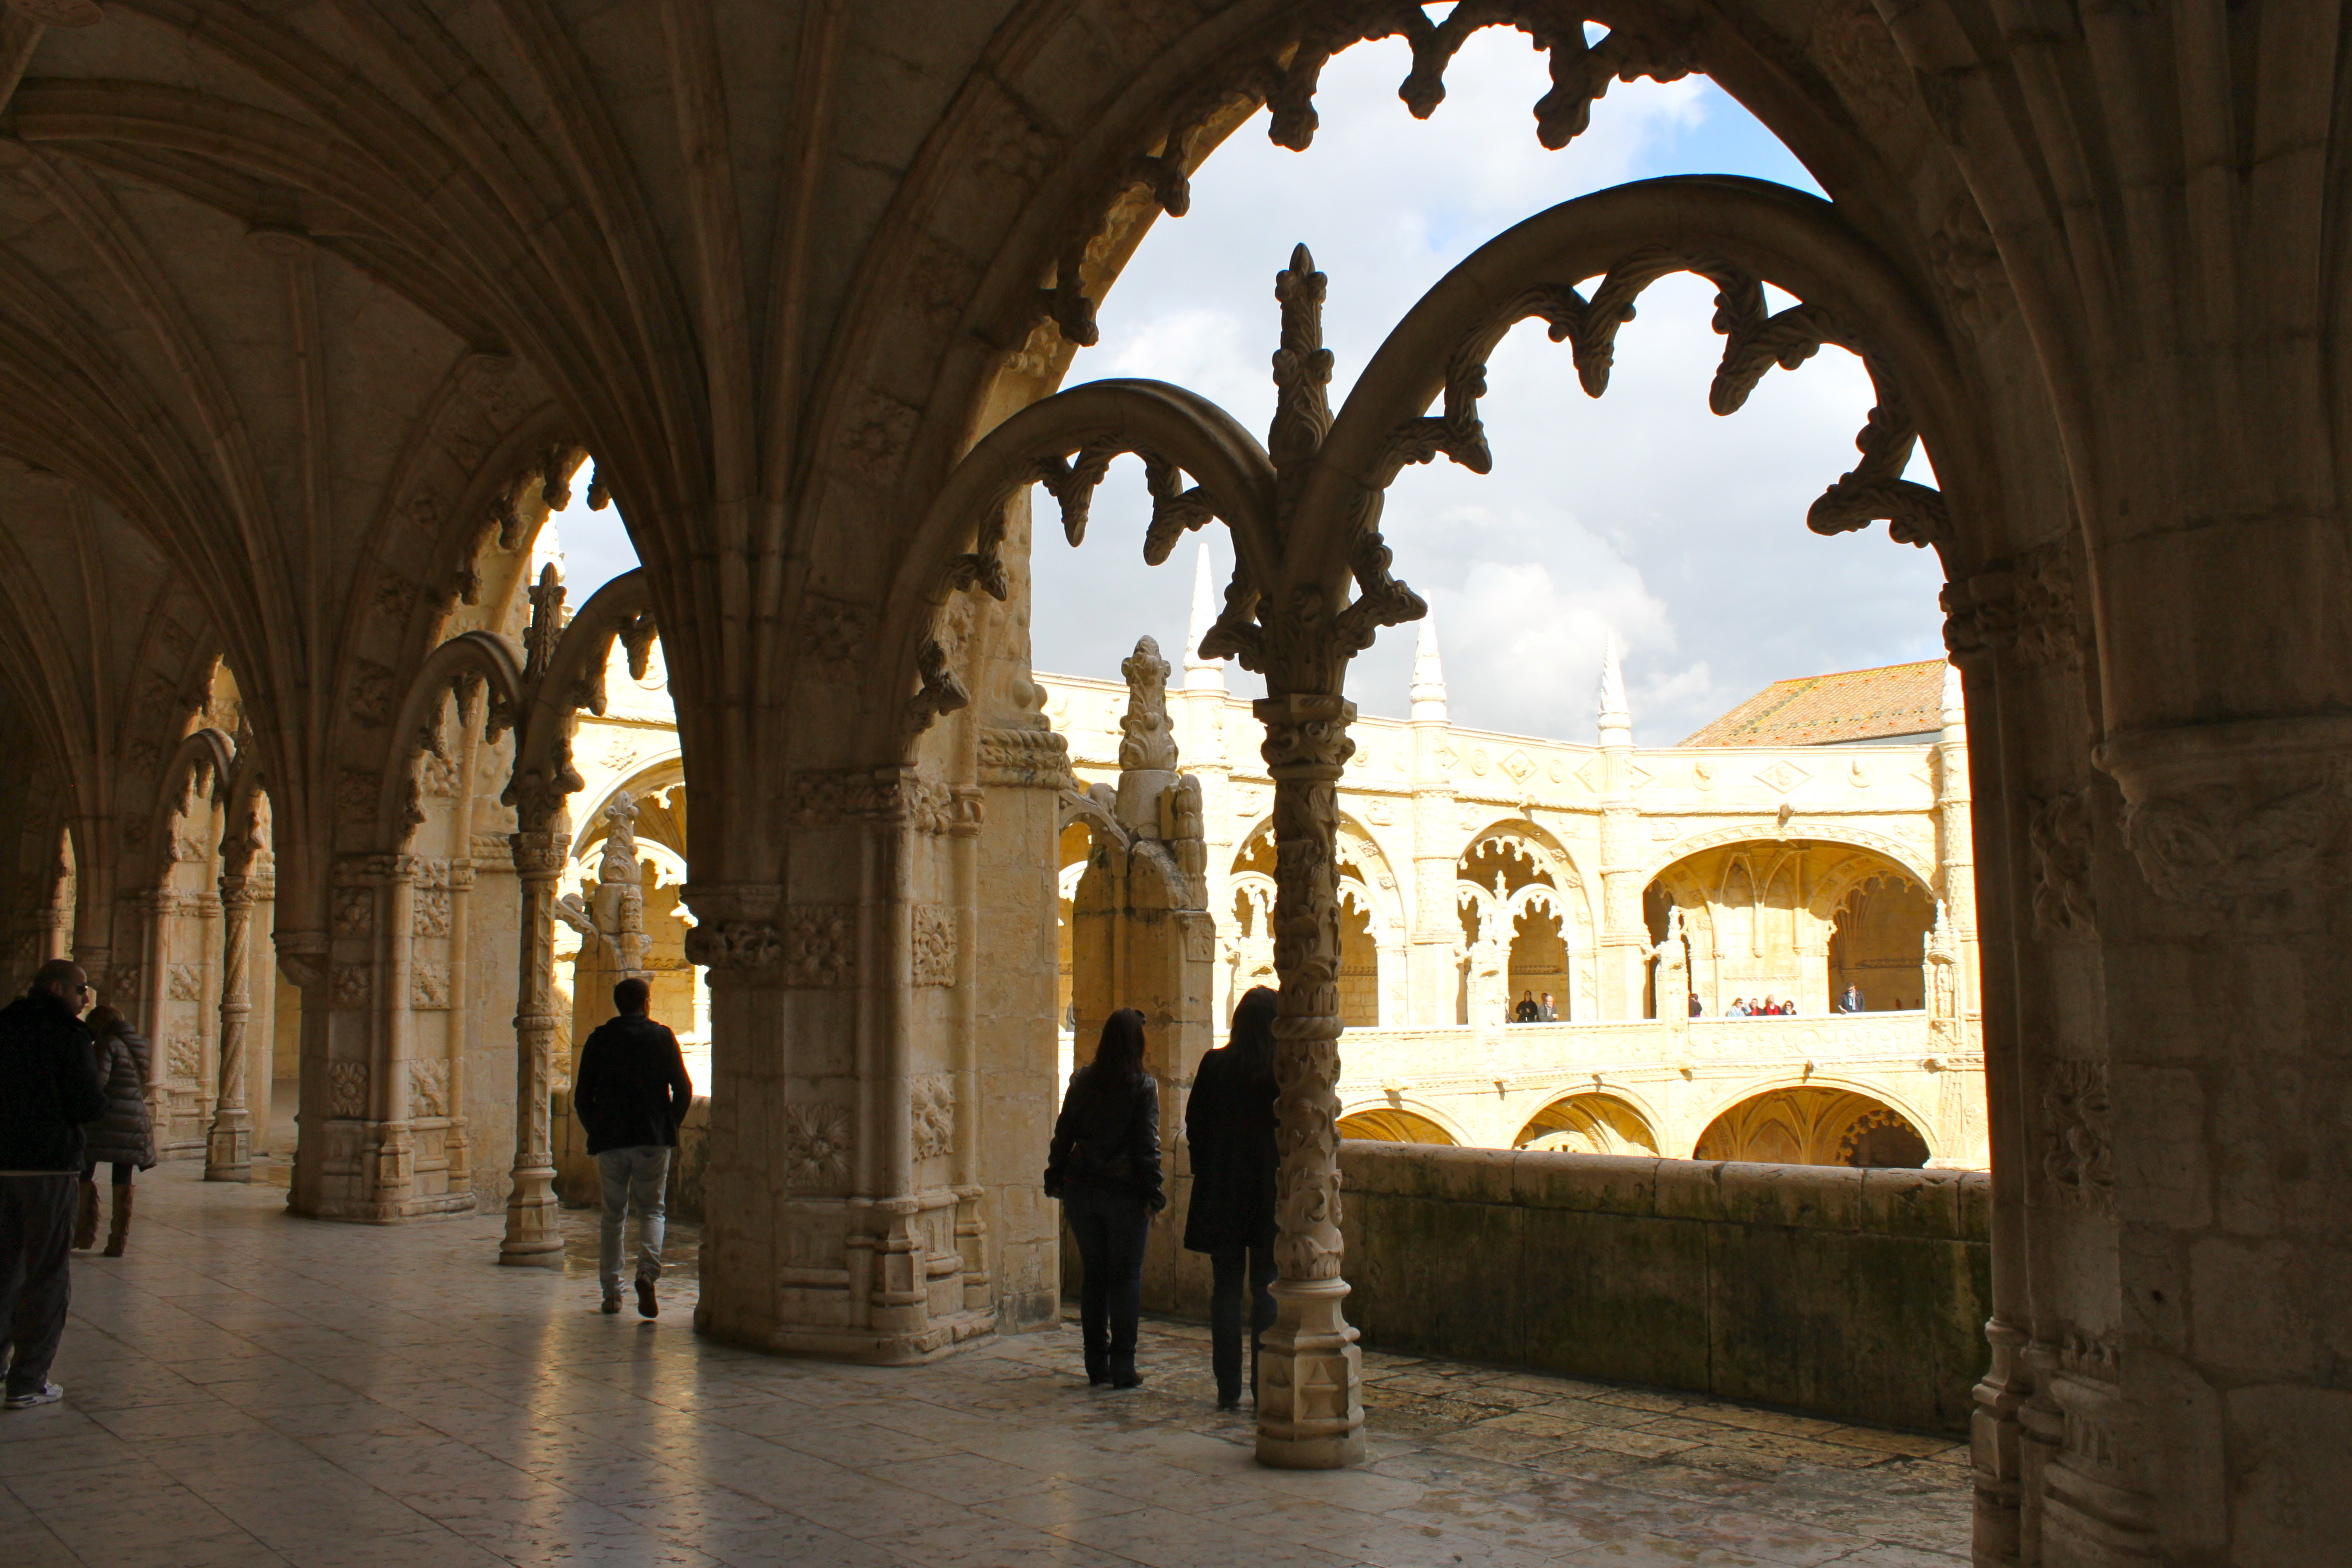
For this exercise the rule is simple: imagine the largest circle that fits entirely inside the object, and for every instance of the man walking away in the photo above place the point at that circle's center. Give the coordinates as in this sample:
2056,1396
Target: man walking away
631,1093
48,1088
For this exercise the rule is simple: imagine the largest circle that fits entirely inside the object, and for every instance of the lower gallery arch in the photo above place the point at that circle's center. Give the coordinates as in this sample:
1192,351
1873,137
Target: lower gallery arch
1815,1125
1588,1124
1393,1124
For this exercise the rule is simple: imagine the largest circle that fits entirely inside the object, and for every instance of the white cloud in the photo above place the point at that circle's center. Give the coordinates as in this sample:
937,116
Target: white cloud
1641,510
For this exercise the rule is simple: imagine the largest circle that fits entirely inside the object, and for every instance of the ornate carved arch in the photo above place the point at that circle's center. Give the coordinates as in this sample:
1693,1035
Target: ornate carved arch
1762,832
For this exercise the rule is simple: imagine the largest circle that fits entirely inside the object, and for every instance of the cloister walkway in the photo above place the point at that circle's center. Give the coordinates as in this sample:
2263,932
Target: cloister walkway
251,1389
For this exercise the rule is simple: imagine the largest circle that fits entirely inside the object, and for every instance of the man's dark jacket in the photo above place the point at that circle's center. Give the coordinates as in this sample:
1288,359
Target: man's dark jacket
48,1085
632,1088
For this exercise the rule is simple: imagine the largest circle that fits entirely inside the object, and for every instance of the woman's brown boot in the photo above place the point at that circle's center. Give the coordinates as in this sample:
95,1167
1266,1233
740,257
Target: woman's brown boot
120,1225
86,1219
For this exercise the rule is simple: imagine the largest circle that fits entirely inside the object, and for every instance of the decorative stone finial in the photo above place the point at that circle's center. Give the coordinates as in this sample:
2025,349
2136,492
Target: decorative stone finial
1202,674
619,864
1616,720
1147,746
1148,741
1955,714
1429,688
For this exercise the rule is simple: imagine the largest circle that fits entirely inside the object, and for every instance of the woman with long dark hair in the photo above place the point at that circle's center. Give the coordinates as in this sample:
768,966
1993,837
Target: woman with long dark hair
1229,1124
1105,1167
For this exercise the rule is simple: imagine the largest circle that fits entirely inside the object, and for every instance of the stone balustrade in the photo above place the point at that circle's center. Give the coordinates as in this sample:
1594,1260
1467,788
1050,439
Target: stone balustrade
1484,1084
1854,1293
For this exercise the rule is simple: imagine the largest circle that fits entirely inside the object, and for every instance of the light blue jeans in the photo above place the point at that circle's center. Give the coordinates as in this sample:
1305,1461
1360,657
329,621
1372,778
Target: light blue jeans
634,1178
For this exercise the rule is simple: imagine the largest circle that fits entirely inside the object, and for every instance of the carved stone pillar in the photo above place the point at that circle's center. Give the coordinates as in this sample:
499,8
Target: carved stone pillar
228,1150
531,1234
1310,1373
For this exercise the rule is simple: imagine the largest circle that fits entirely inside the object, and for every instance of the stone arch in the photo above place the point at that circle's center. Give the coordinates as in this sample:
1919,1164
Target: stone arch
1395,1120
1816,1112
1764,830
1591,1122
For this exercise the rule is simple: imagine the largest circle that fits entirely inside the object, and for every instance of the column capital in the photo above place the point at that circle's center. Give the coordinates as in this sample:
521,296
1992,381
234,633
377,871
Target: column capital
2241,823
1306,733
539,854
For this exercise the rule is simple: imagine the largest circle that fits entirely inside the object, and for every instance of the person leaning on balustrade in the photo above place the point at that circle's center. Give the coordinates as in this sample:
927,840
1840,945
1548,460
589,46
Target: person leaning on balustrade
1104,1166
1229,1128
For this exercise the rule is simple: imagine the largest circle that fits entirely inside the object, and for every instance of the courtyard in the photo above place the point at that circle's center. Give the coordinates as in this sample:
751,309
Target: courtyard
252,1389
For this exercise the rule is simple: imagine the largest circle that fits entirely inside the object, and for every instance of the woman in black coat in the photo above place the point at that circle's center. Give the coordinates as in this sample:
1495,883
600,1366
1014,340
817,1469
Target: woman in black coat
122,1137
1105,1167
1229,1124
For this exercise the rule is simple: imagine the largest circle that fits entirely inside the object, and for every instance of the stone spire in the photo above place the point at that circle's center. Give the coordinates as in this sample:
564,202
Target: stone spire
1955,714
1202,674
1616,720
1429,688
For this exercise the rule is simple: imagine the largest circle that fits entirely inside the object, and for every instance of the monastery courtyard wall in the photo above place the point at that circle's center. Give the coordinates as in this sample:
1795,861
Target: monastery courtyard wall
1478,866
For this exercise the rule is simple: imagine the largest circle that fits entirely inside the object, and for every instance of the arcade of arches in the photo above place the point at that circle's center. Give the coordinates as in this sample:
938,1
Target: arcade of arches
311,313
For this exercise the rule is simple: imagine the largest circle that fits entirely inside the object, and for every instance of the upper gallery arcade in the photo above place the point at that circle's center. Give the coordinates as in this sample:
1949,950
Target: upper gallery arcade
307,316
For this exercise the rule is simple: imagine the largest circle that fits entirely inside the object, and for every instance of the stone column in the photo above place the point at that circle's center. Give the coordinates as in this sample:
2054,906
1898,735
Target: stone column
531,1233
1310,1373
458,1140
228,1151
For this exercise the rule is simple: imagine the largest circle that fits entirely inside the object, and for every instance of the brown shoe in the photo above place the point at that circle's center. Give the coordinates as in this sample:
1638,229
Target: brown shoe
118,1226
647,1307
612,1303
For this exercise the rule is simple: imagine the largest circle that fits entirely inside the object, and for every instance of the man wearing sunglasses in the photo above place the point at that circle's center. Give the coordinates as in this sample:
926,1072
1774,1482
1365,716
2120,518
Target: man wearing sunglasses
49,1087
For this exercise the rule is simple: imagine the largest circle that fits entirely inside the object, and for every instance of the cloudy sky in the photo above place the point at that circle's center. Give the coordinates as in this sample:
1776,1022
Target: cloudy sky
1640,511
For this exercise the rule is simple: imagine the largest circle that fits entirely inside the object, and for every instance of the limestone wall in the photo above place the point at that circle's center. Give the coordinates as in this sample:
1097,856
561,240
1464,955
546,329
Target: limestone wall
1853,1293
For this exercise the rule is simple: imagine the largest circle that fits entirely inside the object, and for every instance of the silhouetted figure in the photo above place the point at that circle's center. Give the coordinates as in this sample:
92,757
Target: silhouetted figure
1105,1167
631,1093
49,1090
124,1137
1229,1125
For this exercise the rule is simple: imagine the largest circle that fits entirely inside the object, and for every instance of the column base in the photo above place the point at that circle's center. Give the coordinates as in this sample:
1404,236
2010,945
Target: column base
228,1149
1310,1381
533,1237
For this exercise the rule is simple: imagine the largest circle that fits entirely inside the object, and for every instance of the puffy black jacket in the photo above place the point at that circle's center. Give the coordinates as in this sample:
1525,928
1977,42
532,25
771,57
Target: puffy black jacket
632,1087
1229,1123
49,1086
1108,1135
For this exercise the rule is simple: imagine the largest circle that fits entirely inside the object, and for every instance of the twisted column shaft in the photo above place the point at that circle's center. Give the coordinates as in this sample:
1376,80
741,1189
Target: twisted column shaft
1310,1373
531,1233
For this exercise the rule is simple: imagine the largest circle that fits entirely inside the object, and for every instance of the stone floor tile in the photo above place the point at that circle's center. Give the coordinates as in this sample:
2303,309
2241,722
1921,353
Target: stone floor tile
995,1543
1656,1552
1917,1445
1161,1538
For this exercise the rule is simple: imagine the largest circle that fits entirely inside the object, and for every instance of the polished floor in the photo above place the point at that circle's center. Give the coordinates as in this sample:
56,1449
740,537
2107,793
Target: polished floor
249,1389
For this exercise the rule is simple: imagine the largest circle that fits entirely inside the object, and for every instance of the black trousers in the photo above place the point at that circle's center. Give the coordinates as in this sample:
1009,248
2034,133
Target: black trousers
36,1242
1230,1267
122,1172
1111,1226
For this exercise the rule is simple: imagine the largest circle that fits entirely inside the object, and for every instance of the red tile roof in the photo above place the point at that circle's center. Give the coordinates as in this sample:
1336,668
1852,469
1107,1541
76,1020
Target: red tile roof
1818,710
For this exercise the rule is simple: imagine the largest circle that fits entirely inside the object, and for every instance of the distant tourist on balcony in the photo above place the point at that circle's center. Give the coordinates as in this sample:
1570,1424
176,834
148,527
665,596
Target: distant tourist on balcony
1527,1011
1545,1012
1229,1123
1105,1167
1739,1008
1850,999
1697,1008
